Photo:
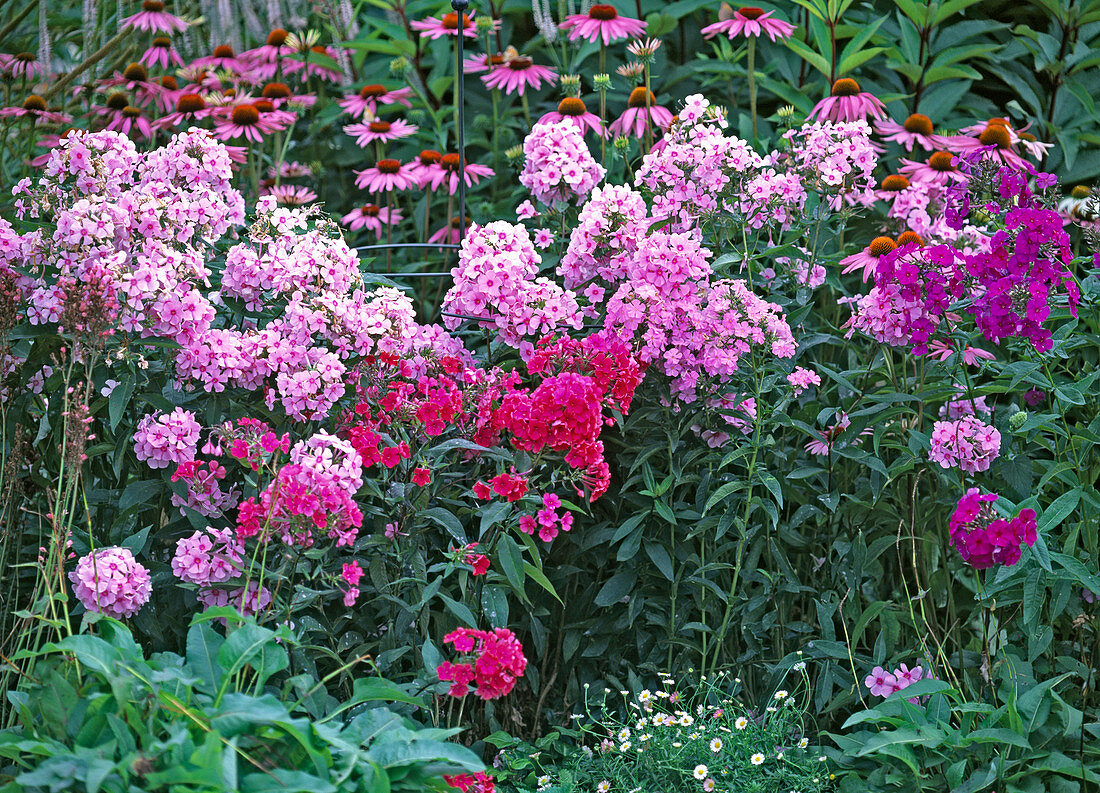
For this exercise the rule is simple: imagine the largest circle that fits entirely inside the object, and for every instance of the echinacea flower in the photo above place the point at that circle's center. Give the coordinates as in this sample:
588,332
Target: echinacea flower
291,195
432,28
281,94
135,77
161,53
750,21
572,110
917,129
847,103
325,67
970,355
371,217
189,108
366,134
996,139
370,96
481,63
130,119
153,18
384,175
938,170
426,167
245,121
451,233
290,170
867,259
34,106
891,185
632,123
223,57
265,58
26,65
516,73
448,173
602,22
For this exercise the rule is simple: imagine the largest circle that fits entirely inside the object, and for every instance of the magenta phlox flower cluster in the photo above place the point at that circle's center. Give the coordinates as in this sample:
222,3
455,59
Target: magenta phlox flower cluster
882,683
609,228
496,278
204,493
168,438
984,539
211,556
968,443
110,581
558,166
249,601
964,405
330,457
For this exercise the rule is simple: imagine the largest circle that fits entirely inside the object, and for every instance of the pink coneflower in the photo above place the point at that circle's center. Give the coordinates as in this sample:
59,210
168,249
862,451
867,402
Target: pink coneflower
425,168
370,96
161,53
290,170
482,63
751,21
272,116
196,79
915,129
602,22
372,218
245,121
153,18
996,139
189,108
572,110
313,65
25,65
366,134
116,101
223,57
130,120
890,186
433,28
831,434
449,234
35,107
135,77
1033,146
515,74
384,175
264,60
938,170
448,173
291,195
867,259
970,355
847,103
632,122
280,94
49,143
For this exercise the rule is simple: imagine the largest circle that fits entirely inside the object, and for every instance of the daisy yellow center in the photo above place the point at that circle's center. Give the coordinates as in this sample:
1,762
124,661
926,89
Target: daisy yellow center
389,166
880,246
996,135
371,91
845,86
1078,192
117,100
276,91
34,102
277,37
223,51
190,103
245,115
603,12
137,73
430,157
907,237
152,5
380,126
572,106
751,12
450,21
918,124
638,97
894,183
941,161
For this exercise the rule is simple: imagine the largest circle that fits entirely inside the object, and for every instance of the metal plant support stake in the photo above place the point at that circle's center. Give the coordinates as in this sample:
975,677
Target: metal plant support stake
460,7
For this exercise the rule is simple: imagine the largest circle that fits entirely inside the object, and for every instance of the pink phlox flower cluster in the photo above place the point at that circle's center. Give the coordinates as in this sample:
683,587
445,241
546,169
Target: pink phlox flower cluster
982,538
882,683
837,156
497,663
800,268
968,443
330,457
203,492
546,521
496,279
610,225
212,556
801,379
557,165
168,438
964,405
110,581
249,601
772,199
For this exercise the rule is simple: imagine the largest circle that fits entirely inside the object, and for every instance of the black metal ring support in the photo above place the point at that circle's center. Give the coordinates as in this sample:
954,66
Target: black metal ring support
460,7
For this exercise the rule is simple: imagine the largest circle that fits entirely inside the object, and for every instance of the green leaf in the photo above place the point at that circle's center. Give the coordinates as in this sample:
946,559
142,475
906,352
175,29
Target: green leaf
203,644
139,493
1059,510
511,562
616,588
120,399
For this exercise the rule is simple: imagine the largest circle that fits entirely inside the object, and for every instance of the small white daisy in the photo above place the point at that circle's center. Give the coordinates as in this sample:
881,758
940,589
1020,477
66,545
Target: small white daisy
700,772
803,743
708,785
757,759
603,787
625,746
799,666
716,745
741,723
781,694
624,733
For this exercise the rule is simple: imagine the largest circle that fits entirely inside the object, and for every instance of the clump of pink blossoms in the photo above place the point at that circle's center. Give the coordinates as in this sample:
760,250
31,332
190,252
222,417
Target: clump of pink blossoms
557,165
208,557
168,438
497,664
982,538
882,683
969,444
110,581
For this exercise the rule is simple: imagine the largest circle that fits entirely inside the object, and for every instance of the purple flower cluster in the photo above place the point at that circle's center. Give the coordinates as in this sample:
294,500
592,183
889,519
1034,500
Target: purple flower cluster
208,557
170,438
967,443
982,538
558,166
110,581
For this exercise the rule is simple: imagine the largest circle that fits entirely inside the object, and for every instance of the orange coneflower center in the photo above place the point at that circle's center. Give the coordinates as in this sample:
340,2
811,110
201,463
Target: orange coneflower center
117,100
229,92
370,210
371,91
318,49
389,166
1001,122
751,12
572,106
169,82
245,115
603,12
456,221
223,51
152,5
450,21
430,157
941,161
638,97
137,73
845,86
495,60
34,102
919,124
276,91
264,105
449,161
894,183
163,42
996,135
131,112
907,237
520,63
380,126
277,37
880,246
1078,192
190,103
26,57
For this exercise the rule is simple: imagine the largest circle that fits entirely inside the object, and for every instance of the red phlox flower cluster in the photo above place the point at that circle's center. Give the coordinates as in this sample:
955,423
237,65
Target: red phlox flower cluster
610,363
497,664
982,538
471,783
508,486
547,522
562,413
